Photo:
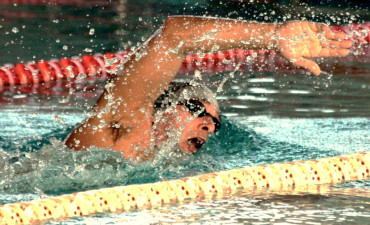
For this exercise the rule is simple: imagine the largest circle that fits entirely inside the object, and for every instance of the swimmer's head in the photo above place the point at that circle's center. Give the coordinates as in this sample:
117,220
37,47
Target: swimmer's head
187,113
178,92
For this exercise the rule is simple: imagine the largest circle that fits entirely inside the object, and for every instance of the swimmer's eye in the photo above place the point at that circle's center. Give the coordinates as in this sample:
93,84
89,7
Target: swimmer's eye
196,107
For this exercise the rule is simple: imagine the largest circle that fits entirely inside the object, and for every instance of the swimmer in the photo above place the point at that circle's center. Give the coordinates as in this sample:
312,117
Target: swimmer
140,108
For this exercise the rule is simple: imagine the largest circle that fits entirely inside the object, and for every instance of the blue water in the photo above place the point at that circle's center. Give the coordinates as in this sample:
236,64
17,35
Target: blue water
266,118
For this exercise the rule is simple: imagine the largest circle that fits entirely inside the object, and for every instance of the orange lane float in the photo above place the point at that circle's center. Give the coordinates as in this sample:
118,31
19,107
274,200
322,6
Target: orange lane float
302,176
104,65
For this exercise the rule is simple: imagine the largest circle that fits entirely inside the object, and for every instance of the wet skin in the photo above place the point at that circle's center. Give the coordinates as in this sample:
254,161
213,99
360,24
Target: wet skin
122,118
194,131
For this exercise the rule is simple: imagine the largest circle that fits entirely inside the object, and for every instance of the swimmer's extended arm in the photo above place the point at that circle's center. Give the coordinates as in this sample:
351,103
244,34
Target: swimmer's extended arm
125,108
297,41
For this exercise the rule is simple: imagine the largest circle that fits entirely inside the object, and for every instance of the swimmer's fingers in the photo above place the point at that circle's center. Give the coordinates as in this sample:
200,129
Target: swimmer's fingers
337,44
333,43
308,64
329,34
327,52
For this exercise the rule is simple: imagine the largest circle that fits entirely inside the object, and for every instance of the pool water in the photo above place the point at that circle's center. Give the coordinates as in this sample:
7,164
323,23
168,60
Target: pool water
267,117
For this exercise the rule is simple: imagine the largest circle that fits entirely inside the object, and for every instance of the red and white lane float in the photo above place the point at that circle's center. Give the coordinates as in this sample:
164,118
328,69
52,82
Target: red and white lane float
291,177
95,66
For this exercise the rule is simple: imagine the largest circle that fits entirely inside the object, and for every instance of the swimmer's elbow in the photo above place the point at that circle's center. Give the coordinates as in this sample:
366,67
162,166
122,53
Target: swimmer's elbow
169,26
175,33
175,24
172,20
182,20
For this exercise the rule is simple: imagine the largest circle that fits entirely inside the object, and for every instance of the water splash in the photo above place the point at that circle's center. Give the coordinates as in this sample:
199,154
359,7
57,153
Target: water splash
55,169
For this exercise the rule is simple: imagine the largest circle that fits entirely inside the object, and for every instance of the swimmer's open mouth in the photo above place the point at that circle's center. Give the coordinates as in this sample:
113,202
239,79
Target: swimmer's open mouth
196,143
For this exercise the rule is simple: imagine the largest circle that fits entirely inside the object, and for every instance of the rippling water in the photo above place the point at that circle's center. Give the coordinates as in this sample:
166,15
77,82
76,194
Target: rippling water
267,117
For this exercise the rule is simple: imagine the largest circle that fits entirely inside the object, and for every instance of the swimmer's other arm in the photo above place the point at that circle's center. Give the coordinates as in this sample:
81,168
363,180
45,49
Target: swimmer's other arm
122,117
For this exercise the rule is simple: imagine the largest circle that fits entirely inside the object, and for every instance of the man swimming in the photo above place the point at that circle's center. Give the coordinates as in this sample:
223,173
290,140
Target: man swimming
133,115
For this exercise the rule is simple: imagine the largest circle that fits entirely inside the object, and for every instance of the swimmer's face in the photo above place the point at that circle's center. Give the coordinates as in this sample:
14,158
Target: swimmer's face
194,130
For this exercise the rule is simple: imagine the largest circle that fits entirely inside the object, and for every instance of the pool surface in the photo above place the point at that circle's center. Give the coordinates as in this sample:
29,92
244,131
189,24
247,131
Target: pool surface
268,117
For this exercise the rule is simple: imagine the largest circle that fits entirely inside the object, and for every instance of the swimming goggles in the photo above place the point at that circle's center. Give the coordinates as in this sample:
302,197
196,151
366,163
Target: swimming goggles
196,107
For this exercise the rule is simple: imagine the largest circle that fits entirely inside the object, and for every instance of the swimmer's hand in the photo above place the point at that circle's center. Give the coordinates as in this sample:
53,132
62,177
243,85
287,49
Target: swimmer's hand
299,41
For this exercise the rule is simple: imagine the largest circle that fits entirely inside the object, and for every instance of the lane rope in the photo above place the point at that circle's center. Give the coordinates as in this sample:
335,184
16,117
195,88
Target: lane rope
280,177
102,66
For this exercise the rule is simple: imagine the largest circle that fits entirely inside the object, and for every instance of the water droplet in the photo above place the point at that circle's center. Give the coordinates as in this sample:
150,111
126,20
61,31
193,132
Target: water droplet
15,30
65,100
58,119
81,76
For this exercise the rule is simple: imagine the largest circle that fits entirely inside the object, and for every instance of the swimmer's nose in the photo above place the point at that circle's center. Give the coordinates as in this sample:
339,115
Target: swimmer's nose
207,125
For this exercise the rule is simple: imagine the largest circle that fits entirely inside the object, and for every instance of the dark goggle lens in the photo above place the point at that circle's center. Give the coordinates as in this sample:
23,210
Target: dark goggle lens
194,106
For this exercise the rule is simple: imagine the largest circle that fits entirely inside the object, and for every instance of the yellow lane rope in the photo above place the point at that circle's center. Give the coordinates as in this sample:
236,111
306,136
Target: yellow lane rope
284,177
